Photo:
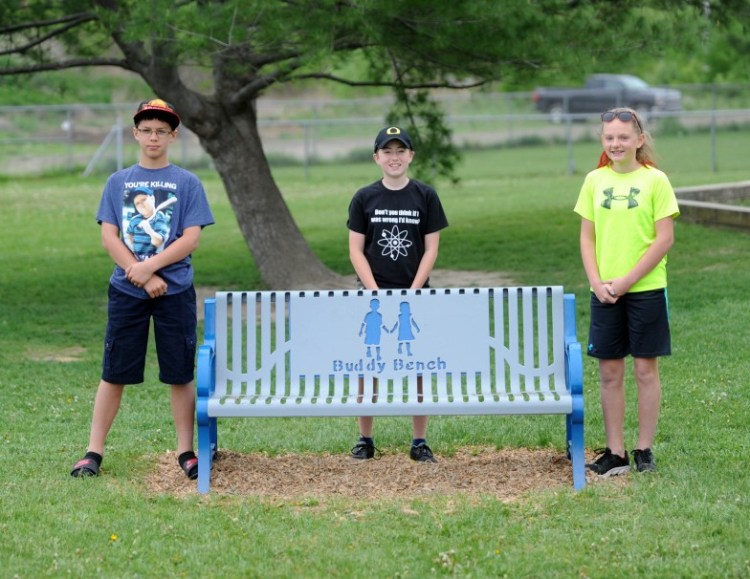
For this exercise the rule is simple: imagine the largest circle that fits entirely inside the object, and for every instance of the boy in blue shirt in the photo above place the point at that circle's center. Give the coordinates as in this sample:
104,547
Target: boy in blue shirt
151,216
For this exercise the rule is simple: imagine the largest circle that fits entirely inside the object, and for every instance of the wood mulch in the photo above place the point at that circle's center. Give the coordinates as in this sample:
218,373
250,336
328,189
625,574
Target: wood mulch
506,474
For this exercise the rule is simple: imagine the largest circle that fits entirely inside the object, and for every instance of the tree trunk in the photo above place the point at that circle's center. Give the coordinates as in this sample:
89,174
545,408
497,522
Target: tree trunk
282,255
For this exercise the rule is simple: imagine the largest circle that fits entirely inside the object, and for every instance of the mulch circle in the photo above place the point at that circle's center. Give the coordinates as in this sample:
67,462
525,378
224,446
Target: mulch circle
505,474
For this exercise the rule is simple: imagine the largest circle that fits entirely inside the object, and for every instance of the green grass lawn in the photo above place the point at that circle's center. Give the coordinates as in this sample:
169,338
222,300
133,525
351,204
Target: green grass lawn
511,212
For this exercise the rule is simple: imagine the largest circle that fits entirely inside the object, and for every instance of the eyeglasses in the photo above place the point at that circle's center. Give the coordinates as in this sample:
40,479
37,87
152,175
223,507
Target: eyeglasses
624,116
160,133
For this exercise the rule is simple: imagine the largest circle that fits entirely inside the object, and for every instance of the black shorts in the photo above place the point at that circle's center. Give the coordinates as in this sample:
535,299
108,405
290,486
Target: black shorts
638,324
127,337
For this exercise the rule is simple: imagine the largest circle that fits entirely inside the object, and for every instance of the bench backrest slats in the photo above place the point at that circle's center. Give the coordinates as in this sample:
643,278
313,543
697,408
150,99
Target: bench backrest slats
524,346
528,351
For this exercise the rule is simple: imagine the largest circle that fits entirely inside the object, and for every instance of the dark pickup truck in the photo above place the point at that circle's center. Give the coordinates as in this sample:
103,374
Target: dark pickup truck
605,91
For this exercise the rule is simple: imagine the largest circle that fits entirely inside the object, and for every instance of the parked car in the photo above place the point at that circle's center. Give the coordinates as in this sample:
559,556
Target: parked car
606,91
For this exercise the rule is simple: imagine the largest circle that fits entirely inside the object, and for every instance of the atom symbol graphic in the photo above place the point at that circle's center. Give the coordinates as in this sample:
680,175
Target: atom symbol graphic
394,243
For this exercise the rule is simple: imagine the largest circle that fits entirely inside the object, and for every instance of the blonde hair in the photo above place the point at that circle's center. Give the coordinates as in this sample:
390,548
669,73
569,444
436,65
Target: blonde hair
645,154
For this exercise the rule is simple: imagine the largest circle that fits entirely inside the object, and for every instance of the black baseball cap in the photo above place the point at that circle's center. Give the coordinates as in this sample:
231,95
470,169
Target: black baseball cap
389,134
157,109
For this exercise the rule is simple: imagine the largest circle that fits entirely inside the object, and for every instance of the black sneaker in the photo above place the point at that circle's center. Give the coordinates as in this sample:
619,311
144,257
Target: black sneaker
644,460
363,450
421,453
609,464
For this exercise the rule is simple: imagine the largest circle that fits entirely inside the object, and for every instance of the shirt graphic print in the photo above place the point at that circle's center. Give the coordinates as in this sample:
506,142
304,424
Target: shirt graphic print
395,242
146,220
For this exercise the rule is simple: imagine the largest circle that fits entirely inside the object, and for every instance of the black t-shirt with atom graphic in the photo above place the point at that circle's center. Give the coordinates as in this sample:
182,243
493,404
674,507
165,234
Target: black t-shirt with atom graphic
394,224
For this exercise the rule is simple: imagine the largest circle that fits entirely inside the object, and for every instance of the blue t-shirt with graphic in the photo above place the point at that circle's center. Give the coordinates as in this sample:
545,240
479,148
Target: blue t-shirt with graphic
152,208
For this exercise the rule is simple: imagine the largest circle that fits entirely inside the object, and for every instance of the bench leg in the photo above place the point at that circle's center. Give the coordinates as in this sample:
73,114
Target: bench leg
212,429
576,451
206,449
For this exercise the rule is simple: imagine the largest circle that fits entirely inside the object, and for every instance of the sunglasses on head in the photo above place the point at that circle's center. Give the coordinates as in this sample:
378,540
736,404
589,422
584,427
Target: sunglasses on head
624,116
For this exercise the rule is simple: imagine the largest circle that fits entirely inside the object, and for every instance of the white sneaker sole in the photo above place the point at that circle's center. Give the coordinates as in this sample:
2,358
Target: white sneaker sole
618,470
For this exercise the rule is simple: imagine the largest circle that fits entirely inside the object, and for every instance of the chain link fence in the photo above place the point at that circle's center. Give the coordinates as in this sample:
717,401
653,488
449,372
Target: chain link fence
97,139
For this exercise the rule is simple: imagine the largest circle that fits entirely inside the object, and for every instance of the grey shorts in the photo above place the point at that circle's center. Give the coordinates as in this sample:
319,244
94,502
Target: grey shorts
637,325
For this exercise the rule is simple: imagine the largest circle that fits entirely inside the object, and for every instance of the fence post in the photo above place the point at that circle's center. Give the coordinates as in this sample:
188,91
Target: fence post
714,162
306,148
569,136
118,142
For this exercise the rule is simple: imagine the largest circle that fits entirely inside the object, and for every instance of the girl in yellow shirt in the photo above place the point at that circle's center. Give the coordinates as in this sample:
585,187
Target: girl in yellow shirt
627,208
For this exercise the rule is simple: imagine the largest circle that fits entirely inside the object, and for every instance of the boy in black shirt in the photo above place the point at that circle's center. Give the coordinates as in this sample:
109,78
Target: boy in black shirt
394,233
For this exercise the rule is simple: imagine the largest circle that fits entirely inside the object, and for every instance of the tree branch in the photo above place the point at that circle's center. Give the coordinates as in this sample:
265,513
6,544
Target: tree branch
74,63
79,18
68,24
341,80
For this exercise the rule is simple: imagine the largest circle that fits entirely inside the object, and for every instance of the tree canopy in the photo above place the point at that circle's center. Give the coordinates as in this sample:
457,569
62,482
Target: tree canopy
214,58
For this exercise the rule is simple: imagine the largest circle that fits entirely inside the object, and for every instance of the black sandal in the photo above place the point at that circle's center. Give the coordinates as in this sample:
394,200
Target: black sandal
85,467
189,464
